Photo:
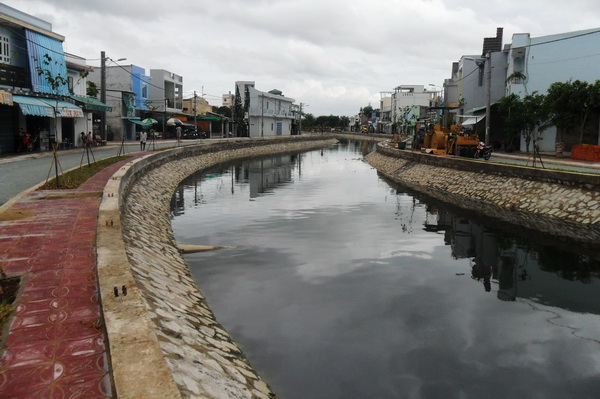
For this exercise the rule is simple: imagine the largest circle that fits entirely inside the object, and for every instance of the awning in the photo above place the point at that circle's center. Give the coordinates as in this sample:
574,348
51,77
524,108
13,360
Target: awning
91,103
139,122
6,98
68,110
38,106
472,121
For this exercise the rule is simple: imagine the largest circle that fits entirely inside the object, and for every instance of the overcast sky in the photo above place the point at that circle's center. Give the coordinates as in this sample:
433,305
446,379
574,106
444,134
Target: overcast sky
334,55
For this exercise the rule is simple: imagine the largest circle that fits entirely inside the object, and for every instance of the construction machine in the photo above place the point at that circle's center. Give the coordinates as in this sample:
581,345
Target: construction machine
453,141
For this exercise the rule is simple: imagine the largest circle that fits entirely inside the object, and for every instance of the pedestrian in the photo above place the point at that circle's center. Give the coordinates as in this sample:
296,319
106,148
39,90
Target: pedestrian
178,131
82,134
143,137
90,140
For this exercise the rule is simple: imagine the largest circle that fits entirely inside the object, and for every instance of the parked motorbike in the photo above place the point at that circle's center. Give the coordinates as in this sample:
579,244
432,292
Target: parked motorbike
26,144
483,151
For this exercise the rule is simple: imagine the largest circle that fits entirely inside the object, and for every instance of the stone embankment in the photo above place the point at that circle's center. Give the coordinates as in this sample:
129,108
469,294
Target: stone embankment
560,203
165,341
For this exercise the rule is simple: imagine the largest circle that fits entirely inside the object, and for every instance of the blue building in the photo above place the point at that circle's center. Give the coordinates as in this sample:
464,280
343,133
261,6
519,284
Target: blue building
33,83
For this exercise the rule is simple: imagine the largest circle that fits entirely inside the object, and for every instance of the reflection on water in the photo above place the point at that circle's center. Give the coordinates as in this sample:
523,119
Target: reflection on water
339,285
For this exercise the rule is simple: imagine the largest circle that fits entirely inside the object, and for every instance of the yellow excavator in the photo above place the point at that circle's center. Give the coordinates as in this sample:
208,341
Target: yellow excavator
451,141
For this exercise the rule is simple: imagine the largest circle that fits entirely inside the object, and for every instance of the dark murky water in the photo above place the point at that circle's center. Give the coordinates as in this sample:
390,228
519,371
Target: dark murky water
340,285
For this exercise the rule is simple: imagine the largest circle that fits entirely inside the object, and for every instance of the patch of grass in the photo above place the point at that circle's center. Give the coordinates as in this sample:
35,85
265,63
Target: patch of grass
76,177
8,292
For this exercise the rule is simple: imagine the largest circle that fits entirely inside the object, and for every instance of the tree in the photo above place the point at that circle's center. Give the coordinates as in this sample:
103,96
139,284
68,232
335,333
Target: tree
527,116
511,111
239,114
92,89
536,118
569,104
225,111
59,85
309,121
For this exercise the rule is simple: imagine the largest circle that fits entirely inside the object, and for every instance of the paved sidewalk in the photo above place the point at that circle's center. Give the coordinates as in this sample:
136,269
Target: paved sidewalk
56,343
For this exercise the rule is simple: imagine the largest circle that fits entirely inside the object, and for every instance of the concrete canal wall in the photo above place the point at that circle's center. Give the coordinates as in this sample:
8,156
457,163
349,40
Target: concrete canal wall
164,340
560,203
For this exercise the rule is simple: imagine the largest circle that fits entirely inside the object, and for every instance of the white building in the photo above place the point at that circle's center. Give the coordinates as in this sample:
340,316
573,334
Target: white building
548,59
269,113
409,103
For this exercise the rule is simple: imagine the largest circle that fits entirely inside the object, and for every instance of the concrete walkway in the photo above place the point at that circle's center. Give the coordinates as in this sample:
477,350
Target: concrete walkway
55,346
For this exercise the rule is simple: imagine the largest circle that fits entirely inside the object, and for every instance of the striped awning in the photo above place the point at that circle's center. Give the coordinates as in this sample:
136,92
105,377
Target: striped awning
6,98
39,106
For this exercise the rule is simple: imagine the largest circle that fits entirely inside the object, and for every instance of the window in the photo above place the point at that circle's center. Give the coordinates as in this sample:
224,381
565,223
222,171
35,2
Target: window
70,83
144,91
4,49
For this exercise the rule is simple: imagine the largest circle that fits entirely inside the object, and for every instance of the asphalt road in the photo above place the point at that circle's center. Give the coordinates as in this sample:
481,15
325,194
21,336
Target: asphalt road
21,172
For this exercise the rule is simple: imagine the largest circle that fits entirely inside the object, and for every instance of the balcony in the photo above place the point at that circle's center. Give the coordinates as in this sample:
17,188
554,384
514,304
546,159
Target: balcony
271,113
14,77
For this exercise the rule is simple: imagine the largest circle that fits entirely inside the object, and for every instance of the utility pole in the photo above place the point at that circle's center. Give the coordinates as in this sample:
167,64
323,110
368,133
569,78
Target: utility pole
165,120
300,122
103,94
489,96
195,114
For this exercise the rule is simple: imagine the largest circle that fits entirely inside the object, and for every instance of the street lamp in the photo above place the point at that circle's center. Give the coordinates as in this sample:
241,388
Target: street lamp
300,121
103,59
481,62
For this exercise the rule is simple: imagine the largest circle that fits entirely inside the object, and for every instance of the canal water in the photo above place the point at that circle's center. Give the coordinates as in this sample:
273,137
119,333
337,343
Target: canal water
339,284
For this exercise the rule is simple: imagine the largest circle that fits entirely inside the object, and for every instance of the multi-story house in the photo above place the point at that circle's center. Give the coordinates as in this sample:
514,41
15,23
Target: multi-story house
534,63
409,105
385,106
196,106
127,95
228,100
270,113
166,91
34,83
525,66
77,71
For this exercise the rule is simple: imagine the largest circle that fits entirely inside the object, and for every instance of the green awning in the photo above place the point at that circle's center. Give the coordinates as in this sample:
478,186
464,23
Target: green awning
139,122
90,103
211,118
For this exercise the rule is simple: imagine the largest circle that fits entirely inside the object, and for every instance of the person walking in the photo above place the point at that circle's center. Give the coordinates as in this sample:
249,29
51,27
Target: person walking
178,131
143,138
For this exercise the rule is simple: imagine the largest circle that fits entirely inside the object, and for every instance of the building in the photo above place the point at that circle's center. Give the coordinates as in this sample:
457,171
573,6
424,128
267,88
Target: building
127,88
166,91
228,100
77,72
538,62
410,105
525,66
268,113
34,89
196,106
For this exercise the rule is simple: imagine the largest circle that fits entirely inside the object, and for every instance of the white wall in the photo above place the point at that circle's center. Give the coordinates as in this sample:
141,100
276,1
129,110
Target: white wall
548,59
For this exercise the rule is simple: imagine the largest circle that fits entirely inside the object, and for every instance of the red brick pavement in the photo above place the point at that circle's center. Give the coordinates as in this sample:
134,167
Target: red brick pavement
55,346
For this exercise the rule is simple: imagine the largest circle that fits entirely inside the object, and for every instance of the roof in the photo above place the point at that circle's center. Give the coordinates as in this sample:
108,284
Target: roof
91,103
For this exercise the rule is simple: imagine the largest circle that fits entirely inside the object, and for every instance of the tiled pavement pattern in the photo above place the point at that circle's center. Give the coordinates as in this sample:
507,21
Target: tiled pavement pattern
55,346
